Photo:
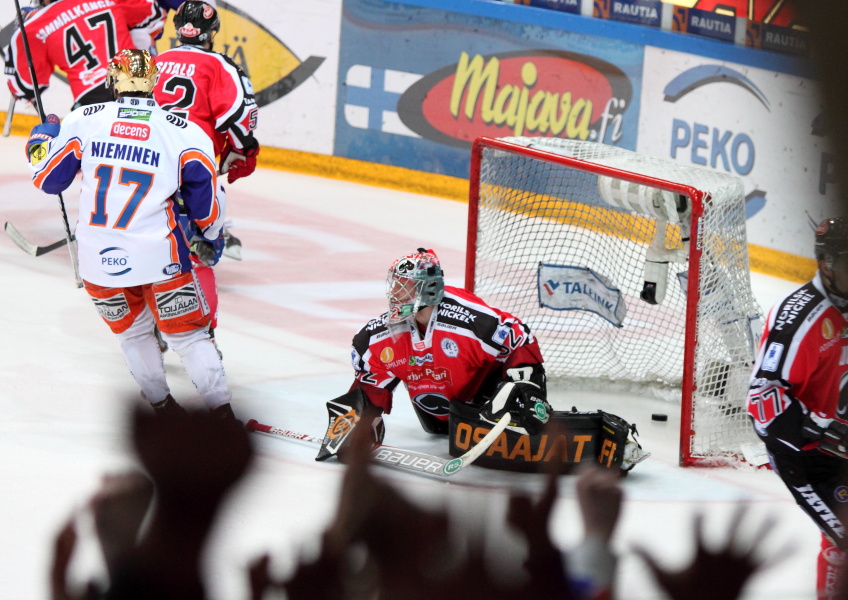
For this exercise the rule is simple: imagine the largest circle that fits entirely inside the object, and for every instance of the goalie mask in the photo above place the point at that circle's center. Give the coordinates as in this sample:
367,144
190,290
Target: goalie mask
132,71
414,281
196,23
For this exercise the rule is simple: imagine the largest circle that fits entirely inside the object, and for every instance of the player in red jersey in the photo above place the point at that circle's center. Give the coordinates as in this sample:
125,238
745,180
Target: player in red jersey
446,345
79,37
209,89
798,399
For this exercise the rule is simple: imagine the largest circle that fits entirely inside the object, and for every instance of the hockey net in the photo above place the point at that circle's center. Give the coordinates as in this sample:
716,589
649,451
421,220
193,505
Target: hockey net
632,271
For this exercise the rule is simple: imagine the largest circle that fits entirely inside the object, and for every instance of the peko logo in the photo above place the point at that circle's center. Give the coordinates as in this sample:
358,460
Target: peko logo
115,261
526,93
140,131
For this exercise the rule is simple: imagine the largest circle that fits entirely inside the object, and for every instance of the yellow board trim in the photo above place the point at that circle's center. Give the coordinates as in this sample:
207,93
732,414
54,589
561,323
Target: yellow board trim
763,260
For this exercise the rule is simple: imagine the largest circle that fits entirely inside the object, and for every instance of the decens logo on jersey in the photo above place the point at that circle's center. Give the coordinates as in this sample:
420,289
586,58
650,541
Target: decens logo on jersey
387,355
140,131
115,261
547,93
273,69
138,114
450,347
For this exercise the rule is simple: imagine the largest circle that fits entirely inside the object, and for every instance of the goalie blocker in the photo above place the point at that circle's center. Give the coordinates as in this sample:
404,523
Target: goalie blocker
595,436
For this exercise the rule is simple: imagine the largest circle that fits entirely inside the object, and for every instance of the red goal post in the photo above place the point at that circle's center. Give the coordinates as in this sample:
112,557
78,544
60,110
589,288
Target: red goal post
631,270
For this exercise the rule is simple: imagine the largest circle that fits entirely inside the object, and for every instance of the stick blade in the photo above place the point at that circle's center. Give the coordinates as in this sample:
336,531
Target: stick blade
20,241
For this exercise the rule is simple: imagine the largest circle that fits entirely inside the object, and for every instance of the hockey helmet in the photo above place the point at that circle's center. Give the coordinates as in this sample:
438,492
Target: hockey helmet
832,238
132,71
196,22
414,281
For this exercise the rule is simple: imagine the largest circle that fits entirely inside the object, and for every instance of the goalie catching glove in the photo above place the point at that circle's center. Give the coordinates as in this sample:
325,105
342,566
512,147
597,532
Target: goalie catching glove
526,403
238,162
345,413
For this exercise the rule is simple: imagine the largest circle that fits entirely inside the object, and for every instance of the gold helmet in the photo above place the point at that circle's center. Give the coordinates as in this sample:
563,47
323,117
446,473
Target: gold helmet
132,71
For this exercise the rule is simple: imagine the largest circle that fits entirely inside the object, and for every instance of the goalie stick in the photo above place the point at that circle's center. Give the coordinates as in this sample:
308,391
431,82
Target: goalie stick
407,460
27,246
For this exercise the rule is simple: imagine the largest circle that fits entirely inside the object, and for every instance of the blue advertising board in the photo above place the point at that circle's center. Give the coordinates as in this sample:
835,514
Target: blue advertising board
418,84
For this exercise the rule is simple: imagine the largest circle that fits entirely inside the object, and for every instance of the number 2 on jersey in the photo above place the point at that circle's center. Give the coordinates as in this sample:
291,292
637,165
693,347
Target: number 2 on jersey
103,173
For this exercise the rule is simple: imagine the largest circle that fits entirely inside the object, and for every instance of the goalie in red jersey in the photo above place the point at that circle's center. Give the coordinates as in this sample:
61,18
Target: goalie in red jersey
465,365
798,399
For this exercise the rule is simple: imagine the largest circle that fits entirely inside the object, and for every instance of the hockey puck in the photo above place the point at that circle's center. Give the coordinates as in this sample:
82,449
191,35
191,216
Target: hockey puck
659,417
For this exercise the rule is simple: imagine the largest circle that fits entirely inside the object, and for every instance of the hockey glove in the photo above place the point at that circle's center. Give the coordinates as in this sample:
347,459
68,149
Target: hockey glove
36,148
345,413
238,162
209,253
835,439
525,402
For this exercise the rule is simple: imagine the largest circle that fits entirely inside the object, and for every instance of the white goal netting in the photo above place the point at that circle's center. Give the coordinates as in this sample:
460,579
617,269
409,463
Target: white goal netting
568,246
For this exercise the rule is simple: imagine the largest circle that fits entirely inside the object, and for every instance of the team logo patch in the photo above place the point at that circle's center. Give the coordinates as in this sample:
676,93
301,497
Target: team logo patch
387,355
115,261
828,330
172,269
140,131
772,358
173,304
450,347
134,113
841,494
354,359
112,309
500,334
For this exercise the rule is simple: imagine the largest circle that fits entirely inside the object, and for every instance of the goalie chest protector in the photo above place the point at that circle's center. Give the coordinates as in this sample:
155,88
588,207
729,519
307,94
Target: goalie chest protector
588,436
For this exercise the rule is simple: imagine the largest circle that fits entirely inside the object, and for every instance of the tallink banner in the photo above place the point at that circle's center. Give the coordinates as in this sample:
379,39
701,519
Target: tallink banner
417,85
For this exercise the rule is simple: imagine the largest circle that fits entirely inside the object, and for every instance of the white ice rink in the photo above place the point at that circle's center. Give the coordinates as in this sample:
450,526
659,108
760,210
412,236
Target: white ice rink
315,254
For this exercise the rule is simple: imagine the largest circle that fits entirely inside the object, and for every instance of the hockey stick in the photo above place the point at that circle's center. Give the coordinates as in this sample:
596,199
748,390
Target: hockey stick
407,460
27,246
10,112
69,238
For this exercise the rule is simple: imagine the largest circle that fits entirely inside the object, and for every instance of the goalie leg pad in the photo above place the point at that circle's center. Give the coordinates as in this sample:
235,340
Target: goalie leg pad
588,437
345,412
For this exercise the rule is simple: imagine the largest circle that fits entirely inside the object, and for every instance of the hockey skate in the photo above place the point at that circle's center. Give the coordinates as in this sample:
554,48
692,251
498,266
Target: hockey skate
232,245
168,409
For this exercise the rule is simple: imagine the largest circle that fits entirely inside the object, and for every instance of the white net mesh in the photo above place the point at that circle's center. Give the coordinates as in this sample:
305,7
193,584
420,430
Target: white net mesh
593,326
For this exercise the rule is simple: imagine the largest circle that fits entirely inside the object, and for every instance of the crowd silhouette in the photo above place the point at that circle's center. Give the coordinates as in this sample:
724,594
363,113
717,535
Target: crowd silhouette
153,524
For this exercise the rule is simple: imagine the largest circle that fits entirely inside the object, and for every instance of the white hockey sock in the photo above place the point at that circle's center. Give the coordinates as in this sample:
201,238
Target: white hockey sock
203,365
144,358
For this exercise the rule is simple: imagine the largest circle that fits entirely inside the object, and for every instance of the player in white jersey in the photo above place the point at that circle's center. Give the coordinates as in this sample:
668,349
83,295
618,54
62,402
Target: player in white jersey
134,256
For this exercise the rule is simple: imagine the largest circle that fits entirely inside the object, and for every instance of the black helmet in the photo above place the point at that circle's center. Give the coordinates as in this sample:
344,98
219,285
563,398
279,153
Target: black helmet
832,238
196,22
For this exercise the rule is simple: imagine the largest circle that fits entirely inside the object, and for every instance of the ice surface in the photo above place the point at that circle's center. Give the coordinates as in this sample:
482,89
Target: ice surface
315,253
